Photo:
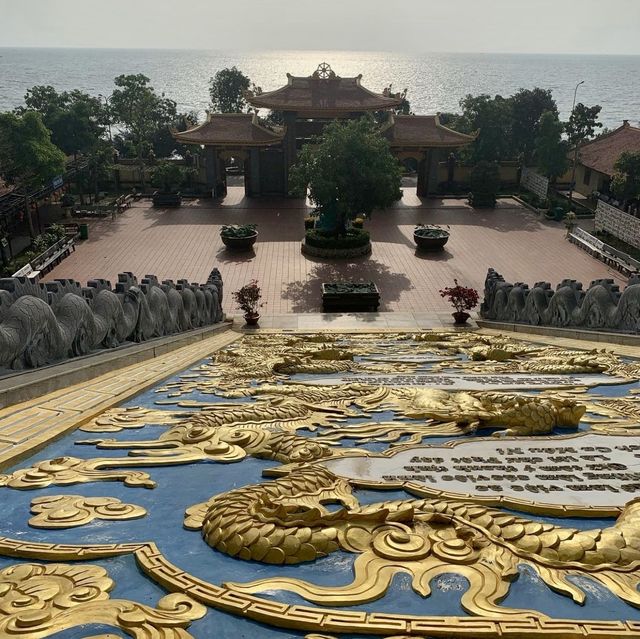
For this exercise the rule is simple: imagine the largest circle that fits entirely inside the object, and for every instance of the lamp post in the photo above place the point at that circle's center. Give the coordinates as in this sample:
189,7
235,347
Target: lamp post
575,155
106,103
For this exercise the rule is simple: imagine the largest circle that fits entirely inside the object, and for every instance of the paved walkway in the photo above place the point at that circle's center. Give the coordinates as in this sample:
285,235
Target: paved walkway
185,242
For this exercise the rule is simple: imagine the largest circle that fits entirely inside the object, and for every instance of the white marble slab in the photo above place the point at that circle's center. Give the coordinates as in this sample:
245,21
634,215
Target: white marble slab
587,470
412,359
458,381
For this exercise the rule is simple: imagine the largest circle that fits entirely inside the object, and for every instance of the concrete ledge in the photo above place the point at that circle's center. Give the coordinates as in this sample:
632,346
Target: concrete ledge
21,386
623,339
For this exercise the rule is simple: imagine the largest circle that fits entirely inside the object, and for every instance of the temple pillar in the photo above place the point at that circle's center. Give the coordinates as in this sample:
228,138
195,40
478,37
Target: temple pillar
422,188
252,185
211,168
289,145
433,171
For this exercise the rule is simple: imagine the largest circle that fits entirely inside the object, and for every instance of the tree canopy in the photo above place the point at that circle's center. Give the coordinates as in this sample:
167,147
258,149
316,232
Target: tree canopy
76,119
583,123
227,89
136,106
27,153
626,179
550,149
349,171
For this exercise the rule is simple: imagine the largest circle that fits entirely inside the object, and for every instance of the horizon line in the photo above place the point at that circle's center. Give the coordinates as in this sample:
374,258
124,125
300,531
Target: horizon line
294,50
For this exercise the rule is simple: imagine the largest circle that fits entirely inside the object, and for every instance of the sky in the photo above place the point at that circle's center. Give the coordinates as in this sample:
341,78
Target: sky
497,26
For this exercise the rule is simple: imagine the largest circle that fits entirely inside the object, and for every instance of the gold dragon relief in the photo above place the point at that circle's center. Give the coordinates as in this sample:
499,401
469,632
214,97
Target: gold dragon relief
286,521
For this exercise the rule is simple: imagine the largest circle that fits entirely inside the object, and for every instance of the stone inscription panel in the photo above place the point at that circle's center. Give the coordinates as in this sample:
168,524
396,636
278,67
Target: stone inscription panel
591,470
447,381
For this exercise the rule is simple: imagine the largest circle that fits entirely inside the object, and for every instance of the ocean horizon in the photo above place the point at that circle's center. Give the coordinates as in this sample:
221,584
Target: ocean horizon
435,81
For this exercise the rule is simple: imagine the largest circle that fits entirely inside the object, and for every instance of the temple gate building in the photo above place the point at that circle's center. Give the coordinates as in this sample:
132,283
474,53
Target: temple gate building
307,104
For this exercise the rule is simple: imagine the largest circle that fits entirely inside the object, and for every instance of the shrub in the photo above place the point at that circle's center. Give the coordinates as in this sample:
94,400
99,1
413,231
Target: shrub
353,238
238,230
430,230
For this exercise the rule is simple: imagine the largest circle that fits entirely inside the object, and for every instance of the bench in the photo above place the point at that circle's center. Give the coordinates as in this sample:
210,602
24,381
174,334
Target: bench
54,254
587,242
608,254
28,272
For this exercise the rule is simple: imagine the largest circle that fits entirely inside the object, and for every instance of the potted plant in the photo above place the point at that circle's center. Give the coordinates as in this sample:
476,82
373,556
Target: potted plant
430,237
168,176
485,184
239,237
248,300
347,173
463,299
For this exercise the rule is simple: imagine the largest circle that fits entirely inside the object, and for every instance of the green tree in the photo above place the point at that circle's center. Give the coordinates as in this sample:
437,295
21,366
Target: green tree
582,124
550,149
168,176
350,171
136,106
27,154
227,89
76,119
626,179
527,109
492,119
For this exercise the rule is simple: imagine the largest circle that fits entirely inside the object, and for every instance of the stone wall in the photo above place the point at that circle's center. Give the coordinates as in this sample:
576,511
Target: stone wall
45,323
618,223
602,306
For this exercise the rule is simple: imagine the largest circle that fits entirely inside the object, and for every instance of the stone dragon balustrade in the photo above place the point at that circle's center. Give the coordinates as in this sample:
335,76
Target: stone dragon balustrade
41,323
602,306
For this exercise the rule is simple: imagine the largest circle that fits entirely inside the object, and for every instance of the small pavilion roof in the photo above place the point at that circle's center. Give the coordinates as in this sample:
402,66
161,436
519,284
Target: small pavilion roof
323,92
231,130
602,153
419,131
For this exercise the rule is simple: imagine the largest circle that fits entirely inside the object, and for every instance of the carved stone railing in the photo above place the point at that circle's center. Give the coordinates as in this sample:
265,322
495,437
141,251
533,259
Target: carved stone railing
45,323
618,223
601,306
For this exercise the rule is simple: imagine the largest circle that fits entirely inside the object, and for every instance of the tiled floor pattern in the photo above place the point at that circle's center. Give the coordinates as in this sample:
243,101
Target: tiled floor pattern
185,242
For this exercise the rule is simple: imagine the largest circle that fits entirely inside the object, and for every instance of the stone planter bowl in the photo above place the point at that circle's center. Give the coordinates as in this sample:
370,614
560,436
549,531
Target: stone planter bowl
239,243
430,243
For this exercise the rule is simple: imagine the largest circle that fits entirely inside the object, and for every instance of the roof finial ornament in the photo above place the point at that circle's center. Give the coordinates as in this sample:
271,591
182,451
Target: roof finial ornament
324,72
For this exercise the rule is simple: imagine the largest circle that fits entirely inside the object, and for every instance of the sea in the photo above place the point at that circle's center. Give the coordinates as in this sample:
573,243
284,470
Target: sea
435,81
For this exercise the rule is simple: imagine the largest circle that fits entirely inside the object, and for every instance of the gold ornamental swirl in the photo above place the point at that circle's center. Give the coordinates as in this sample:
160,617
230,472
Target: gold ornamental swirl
41,600
70,511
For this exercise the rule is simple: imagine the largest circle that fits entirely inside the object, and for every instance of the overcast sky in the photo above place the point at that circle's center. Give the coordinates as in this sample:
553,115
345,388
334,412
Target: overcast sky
512,26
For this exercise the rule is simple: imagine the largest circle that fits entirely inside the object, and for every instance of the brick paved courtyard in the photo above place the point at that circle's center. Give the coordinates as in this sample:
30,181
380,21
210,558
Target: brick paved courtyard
185,242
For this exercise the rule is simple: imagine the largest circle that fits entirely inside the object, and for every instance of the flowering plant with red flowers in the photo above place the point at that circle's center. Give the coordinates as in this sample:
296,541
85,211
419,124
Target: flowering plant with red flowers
461,297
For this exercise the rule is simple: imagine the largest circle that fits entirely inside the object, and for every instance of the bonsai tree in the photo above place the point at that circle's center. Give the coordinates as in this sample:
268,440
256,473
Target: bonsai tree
168,176
350,171
248,300
462,299
485,183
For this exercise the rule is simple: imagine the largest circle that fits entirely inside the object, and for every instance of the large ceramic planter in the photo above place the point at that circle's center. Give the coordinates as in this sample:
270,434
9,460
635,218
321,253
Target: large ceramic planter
167,199
460,317
251,319
239,243
350,296
430,243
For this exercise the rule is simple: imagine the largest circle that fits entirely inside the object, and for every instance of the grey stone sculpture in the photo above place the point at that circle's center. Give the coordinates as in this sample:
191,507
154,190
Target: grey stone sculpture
601,306
45,323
